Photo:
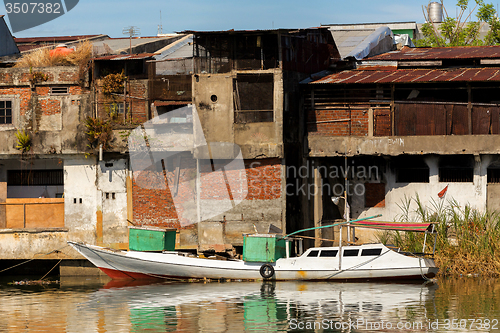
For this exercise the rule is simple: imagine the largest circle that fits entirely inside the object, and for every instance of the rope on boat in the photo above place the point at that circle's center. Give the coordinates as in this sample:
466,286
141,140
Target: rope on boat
421,272
420,265
43,277
27,261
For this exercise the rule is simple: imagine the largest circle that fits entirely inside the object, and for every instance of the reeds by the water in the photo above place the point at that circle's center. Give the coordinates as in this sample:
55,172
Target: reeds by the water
468,241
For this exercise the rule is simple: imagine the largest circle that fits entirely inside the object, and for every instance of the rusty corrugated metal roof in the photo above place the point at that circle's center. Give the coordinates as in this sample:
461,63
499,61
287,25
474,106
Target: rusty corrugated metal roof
412,75
232,31
438,53
127,56
54,39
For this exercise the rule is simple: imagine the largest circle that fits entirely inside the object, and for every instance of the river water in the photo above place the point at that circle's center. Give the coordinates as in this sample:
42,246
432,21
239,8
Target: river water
99,305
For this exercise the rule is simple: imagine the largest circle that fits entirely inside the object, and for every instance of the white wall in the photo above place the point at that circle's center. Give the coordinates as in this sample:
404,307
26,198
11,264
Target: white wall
80,202
473,193
112,192
88,182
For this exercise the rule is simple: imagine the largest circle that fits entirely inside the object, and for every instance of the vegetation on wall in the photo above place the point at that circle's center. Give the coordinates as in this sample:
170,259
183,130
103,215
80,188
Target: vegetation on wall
23,141
113,83
36,77
461,30
98,133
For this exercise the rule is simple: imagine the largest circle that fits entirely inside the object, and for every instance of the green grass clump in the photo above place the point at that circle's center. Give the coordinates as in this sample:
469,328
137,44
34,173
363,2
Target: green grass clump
468,241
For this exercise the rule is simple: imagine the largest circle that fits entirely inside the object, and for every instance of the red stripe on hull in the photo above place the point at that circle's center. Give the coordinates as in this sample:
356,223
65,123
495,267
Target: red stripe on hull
120,275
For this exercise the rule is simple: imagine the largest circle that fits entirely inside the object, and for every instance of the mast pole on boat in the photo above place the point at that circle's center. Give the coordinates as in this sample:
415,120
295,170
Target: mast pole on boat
346,205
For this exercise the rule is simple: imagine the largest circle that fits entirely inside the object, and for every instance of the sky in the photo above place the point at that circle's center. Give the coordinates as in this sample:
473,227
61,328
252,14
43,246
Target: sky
110,17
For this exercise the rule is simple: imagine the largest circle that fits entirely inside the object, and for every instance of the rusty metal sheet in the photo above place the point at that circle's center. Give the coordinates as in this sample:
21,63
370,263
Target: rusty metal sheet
405,119
343,76
127,56
495,120
413,75
481,120
458,116
440,53
391,77
420,119
408,76
374,77
429,76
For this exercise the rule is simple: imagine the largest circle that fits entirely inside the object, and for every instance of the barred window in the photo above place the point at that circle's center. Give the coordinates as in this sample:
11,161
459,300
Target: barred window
5,112
35,177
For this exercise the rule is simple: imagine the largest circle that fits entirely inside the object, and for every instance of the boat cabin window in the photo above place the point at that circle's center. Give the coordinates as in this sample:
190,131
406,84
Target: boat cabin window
351,253
313,253
371,252
328,253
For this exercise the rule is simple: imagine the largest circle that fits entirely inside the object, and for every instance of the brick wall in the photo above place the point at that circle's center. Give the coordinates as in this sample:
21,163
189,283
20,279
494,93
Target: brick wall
382,122
16,82
329,122
24,94
156,207
50,107
6,78
136,102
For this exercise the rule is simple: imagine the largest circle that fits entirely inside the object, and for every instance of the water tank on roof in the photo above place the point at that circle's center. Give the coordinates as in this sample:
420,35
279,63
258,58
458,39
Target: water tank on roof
435,12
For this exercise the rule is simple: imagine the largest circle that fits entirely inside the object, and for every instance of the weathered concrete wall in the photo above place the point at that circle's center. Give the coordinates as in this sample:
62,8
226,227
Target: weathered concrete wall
35,243
256,140
216,117
53,120
321,146
96,201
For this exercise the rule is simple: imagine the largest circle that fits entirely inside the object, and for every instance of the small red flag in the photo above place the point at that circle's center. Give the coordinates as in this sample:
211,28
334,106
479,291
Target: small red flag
443,192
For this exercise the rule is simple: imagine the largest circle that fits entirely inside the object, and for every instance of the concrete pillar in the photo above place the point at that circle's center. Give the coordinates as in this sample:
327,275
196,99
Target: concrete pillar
370,122
3,208
318,203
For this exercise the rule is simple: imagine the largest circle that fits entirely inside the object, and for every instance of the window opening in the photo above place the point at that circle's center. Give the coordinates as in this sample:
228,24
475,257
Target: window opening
59,90
371,252
328,253
5,112
313,253
35,177
351,253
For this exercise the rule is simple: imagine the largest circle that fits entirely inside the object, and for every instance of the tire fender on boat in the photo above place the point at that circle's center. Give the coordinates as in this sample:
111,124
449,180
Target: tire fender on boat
266,271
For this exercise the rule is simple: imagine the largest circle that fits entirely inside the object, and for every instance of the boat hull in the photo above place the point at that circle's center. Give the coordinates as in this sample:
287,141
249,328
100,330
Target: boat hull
135,265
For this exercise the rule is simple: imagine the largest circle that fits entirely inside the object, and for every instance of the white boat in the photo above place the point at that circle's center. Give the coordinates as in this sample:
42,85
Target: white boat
370,261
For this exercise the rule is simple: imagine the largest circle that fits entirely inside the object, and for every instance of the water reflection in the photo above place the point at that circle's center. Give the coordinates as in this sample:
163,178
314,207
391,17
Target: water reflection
89,305
281,306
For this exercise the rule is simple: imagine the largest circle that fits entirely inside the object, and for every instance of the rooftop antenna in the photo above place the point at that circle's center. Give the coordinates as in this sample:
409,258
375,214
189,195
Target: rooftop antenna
160,27
131,32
